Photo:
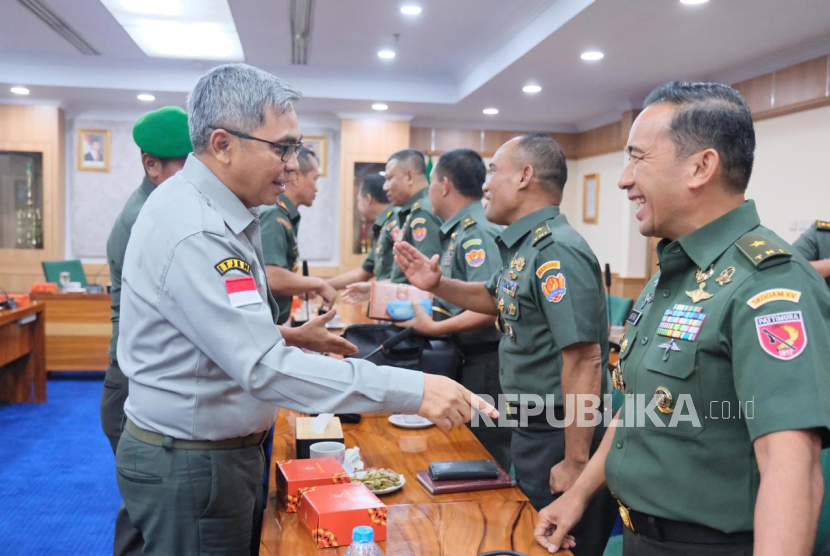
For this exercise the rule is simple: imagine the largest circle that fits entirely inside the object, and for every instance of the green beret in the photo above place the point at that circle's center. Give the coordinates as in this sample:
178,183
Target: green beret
163,133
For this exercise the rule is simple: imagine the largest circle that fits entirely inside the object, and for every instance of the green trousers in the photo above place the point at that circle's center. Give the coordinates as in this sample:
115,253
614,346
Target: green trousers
480,375
192,502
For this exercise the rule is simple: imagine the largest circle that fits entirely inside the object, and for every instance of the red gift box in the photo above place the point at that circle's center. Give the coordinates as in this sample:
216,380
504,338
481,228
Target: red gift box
331,512
295,474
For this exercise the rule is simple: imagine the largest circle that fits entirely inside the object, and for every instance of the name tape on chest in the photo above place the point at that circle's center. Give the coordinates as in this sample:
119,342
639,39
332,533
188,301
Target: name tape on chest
782,335
776,294
232,264
242,291
683,322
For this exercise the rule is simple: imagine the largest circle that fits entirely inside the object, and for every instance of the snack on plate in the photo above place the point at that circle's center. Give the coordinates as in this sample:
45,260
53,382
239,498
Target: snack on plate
378,479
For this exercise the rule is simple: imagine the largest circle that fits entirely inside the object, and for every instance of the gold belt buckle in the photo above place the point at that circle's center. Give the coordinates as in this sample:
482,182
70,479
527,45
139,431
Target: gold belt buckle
625,516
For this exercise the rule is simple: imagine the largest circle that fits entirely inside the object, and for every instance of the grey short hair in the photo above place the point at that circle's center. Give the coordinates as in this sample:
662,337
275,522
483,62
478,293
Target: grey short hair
234,96
546,157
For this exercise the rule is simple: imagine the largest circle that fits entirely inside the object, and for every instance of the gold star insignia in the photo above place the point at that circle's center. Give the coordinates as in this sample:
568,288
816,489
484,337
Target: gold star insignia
757,243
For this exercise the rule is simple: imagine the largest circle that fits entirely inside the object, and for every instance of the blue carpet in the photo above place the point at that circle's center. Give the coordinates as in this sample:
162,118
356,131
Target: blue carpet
58,493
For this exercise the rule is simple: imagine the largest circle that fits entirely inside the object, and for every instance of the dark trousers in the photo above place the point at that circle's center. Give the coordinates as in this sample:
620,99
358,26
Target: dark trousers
128,541
480,375
640,545
536,449
192,502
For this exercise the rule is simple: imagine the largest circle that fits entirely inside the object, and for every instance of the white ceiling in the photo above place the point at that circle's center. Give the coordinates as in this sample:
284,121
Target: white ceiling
456,58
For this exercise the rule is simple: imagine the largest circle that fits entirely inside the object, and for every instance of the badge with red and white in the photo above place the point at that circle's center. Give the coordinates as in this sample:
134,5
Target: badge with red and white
554,288
475,258
242,291
397,234
782,335
419,234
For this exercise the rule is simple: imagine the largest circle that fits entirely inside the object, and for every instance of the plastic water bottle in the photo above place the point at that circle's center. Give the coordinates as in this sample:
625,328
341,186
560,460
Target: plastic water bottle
363,542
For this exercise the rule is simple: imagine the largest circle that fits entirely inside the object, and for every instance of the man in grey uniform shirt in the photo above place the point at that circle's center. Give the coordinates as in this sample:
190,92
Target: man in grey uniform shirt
206,364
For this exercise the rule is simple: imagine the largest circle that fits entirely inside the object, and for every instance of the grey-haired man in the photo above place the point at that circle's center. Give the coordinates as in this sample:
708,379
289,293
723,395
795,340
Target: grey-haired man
206,363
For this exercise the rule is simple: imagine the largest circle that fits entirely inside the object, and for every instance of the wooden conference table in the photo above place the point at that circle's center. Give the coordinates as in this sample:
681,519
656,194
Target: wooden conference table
22,372
459,524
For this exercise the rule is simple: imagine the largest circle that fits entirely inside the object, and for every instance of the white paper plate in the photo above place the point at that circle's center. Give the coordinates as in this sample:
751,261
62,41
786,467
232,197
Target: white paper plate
389,490
398,421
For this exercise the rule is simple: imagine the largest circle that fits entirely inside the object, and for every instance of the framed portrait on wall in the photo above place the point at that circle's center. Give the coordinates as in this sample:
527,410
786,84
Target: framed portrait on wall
590,198
319,144
94,150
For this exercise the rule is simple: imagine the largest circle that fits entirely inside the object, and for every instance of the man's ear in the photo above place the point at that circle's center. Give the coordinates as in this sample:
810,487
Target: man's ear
525,177
220,146
152,167
702,168
446,186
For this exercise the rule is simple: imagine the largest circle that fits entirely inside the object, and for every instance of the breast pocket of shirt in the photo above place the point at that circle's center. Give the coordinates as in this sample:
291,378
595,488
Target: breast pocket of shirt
672,379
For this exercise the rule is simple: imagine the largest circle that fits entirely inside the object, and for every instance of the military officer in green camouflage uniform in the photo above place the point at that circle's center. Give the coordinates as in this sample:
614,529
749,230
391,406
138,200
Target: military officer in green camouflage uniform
469,253
280,225
728,346
164,140
814,245
406,185
373,206
549,297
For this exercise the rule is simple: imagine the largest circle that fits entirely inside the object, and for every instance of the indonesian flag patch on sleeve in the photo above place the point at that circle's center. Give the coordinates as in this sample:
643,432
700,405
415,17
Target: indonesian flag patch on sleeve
242,291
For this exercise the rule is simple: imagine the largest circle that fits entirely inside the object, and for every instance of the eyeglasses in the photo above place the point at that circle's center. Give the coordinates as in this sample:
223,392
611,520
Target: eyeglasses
288,150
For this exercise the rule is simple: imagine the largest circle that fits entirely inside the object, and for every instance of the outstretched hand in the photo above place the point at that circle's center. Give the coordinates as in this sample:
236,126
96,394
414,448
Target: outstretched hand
421,272
314,336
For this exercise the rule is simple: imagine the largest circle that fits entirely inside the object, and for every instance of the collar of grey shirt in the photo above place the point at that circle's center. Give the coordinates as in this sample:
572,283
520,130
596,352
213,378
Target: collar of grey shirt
235,214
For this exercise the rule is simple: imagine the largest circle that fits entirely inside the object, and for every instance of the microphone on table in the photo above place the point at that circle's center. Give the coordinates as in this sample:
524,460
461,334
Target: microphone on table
94,287
305,295
392,341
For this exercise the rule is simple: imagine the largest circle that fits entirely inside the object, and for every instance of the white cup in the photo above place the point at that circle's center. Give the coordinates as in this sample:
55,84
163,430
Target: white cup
336,450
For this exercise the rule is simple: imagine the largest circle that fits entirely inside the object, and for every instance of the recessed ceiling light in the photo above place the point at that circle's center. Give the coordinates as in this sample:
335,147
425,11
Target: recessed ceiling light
532,89
379,106
592,56
386,54
410,9
20,90
693,2
153,7
491,111
188,29
146,97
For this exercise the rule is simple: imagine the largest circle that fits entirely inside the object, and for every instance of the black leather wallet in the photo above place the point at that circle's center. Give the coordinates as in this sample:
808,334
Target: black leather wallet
463,470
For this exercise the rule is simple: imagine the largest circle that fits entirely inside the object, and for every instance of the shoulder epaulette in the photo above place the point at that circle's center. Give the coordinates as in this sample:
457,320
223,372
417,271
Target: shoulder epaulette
467,222
388,214
541,232
822,225
416,205
282,205
759,249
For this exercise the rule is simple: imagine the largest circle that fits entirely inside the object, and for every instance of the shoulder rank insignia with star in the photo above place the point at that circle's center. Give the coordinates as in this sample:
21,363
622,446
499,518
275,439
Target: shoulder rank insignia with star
540,233
282,205
468,222
416,206
822,225
759,249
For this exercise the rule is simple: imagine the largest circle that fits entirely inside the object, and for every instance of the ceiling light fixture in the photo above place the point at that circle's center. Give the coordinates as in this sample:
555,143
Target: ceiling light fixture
146,97
532,89
386,54
410,9
693,2
20,90
153,7
380,106
592,56
491,111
